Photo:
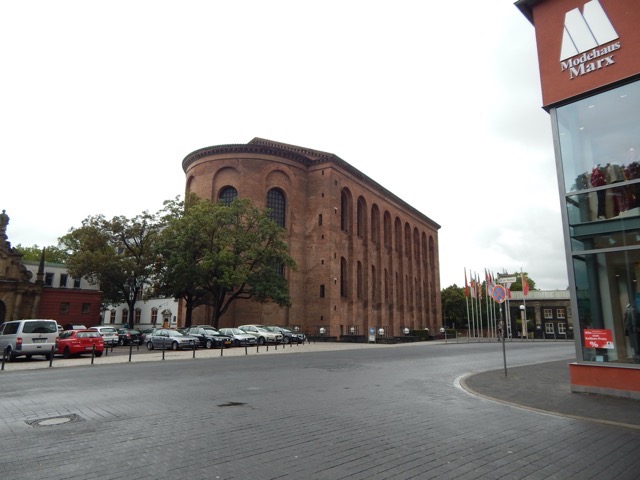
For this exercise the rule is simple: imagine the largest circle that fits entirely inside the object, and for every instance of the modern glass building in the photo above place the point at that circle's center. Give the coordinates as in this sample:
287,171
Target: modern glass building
589,55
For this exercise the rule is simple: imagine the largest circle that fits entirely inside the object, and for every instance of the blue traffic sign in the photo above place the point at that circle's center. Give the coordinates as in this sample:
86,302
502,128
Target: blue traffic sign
499,293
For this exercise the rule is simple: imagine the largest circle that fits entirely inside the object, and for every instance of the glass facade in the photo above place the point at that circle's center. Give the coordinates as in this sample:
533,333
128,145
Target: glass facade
598,143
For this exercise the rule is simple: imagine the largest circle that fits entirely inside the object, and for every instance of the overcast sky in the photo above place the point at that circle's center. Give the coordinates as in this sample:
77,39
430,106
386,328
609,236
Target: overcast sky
438,102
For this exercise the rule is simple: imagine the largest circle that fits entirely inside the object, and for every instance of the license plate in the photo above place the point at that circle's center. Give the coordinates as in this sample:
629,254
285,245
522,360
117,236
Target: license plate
39,340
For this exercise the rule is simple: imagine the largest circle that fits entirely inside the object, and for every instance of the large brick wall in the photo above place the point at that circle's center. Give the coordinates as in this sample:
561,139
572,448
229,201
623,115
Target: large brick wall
374,256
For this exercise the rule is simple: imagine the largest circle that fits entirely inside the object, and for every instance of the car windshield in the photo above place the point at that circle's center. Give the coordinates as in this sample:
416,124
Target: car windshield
108,330
211,331
87,334
175,333
40,327
236,331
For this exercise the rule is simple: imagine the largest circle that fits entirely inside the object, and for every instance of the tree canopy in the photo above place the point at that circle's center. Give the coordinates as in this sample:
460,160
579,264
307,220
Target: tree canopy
52,254
215,254
117,254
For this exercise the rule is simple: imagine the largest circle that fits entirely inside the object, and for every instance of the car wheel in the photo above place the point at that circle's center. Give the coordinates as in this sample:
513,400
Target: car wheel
261,341
286,340
28,355
121,342
236,343
149,345
98,354
66,353
208,344
49,356
174,346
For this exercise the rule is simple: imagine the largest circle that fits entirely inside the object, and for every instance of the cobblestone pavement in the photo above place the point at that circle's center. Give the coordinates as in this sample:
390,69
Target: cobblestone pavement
365,412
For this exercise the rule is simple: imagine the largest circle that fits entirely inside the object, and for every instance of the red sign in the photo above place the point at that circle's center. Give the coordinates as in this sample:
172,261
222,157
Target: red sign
598,338
499,293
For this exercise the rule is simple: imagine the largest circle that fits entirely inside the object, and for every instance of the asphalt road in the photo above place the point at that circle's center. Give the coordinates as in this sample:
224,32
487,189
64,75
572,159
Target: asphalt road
365,413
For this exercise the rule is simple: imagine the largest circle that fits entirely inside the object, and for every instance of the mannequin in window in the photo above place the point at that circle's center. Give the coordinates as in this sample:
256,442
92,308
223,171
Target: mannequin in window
615,174
599,179
632,330
632,172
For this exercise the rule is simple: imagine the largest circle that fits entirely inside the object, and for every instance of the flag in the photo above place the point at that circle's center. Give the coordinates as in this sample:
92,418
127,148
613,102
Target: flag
525,285
489,283
473,288
466,286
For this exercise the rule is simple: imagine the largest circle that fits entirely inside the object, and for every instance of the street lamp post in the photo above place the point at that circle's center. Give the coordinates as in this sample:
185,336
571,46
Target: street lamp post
524,321
444,330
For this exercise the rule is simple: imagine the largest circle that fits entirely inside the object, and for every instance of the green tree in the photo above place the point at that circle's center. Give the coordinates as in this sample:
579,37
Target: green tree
454,307
34,253
117,254
215,254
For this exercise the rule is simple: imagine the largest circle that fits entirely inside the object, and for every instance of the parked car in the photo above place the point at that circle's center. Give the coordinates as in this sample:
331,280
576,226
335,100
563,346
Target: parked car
109,335
128,336
144,334
208,337
288,335
28,338
72,326
262,334
239,337
76,342
170,339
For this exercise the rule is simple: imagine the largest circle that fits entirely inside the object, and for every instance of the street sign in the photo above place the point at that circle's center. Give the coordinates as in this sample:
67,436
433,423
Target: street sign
511,279
499,293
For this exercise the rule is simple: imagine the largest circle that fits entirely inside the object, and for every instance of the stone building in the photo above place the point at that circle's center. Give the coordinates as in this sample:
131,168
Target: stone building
19,294
366,259
43,290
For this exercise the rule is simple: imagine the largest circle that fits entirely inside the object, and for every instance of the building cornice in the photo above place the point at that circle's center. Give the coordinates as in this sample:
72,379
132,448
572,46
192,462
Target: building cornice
305,157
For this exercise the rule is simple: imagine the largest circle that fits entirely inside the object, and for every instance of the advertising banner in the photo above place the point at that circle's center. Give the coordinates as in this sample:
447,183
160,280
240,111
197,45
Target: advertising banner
598,338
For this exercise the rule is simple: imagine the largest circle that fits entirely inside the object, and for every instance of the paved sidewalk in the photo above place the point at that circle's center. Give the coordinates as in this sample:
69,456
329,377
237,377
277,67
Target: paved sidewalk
545,387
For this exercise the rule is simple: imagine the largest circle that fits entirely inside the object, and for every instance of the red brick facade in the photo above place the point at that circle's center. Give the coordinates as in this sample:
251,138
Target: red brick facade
365,258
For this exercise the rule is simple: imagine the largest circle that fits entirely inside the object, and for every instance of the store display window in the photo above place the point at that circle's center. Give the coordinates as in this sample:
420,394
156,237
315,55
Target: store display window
599,142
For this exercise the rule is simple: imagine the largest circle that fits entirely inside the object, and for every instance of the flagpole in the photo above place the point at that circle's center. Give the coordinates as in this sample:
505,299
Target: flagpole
466,298
524,302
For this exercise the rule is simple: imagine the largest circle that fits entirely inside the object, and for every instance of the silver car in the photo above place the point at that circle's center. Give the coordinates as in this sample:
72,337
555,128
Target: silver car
109,335
239,337
166,338
262,334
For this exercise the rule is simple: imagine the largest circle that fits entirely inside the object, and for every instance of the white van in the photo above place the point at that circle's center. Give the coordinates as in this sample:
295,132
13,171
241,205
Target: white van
28,337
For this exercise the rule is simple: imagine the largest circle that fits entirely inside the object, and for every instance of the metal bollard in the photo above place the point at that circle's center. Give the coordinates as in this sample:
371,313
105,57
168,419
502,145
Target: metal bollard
245,352
51,358
267,344
93,353
222,350
4,356
257,348
276,344
130,351
194,349
163,349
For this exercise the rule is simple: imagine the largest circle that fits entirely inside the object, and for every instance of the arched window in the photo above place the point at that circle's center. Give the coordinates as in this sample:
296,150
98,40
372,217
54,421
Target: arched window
344,280
277,206
228,195
137,314
154,316
361,217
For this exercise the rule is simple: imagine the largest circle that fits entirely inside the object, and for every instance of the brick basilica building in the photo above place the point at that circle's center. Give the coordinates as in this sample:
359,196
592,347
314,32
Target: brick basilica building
366,259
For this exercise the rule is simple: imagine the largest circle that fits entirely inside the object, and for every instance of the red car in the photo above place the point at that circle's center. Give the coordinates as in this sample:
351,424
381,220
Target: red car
76,342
